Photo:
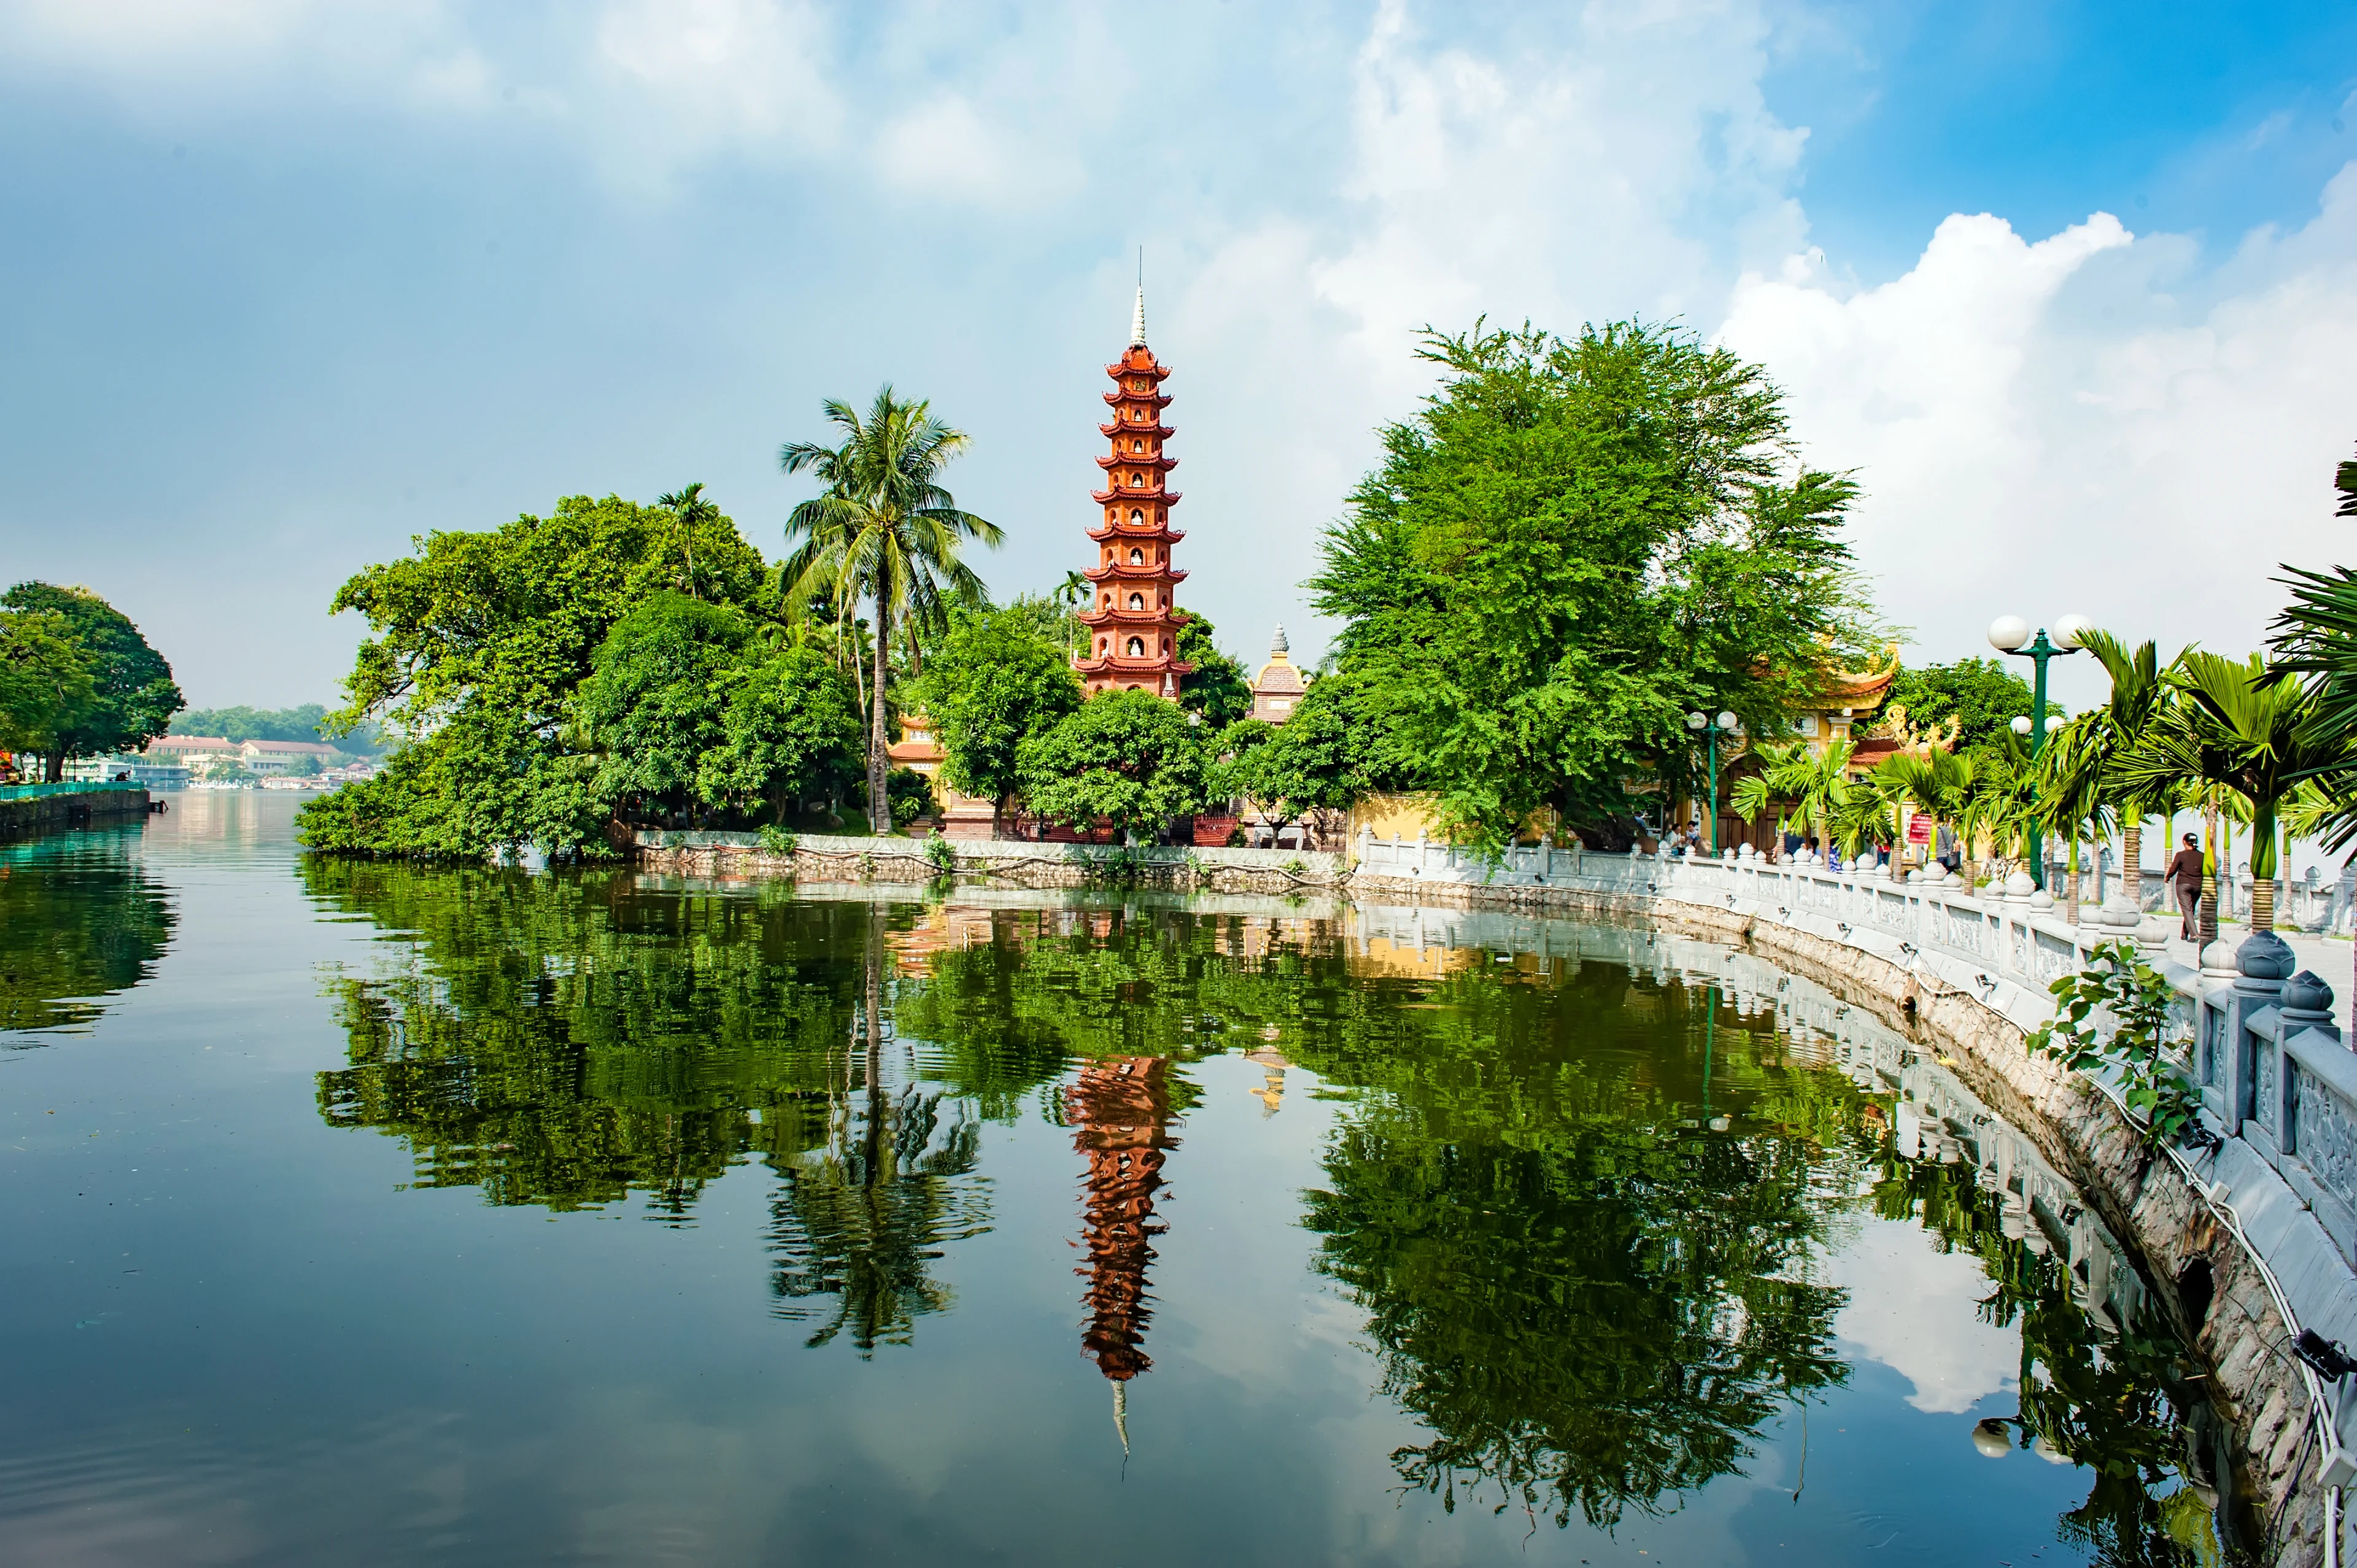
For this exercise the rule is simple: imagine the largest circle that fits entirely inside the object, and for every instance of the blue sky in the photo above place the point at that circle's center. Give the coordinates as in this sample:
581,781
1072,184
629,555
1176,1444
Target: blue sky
287,283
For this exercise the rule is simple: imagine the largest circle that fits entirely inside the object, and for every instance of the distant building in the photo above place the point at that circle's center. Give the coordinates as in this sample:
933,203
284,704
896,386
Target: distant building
191,750
269,758
1276,690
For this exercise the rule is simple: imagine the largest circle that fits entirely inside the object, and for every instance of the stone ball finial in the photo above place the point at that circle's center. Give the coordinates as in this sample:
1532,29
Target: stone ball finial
2218,957
2306,993
2041,900
2264,956
2020,885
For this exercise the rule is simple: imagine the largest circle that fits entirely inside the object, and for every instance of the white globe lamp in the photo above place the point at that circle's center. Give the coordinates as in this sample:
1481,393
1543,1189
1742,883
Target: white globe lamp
2008,633
2071,631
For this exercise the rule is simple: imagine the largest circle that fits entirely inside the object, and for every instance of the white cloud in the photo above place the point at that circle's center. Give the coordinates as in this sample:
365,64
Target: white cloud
1913,1309
2089,423
699,75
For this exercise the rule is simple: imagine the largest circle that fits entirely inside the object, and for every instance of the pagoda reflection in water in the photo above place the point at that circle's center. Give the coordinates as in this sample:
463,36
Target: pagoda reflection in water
1120,1112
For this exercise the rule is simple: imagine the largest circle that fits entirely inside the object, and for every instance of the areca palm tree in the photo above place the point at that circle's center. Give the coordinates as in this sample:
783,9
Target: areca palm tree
2140,698
1936,782
688,508
2070,800
884,530
2249,728
1813,788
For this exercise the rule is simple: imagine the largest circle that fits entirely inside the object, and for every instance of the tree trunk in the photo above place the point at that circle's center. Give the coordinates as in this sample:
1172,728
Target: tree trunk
879,806
2209,926
53,768
2132,860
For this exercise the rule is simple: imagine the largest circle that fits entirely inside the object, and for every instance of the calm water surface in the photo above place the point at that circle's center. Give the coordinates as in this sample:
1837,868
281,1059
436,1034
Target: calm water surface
366,1214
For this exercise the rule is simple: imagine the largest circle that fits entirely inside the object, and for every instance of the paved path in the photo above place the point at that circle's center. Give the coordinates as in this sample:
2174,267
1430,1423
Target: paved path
2330,957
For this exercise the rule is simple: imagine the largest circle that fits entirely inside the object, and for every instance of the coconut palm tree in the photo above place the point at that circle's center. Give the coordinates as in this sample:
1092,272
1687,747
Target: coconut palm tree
2249,728
688,508
2070,800
884,530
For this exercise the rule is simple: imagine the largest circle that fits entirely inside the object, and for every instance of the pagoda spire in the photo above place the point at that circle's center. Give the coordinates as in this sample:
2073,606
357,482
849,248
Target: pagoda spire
1137,321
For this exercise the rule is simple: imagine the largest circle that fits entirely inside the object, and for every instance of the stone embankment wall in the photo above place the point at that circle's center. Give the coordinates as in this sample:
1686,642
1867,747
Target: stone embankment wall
997,862
25,811
2212,1228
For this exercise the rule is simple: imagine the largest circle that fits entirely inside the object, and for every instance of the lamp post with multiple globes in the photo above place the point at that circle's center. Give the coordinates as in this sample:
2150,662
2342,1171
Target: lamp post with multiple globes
2011,635
1710,730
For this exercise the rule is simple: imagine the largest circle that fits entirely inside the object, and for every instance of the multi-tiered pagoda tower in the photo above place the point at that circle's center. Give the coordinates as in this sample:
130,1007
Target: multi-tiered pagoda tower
1132,617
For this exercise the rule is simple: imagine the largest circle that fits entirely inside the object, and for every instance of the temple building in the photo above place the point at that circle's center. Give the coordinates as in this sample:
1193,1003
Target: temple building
1276,690
1120,1112
1134,616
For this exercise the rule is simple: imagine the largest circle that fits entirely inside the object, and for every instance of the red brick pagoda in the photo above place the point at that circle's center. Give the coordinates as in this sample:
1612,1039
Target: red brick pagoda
1133,618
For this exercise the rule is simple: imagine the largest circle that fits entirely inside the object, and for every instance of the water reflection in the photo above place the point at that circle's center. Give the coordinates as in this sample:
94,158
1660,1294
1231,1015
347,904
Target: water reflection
81,919
1583,1189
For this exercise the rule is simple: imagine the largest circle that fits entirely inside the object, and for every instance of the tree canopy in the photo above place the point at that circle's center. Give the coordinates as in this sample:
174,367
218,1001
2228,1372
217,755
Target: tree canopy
996,677
130,696
1127,758
1571,545
1981,695
479,644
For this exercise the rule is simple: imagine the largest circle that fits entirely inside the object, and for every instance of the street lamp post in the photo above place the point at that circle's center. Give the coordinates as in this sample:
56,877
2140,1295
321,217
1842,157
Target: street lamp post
1710,730
2011,635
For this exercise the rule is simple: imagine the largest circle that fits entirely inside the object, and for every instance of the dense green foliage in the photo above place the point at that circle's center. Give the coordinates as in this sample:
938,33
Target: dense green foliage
1317,760
995,678
1219,688
478,645
87,683
45,680
1126,758
2132,1001
1981,695
1573,544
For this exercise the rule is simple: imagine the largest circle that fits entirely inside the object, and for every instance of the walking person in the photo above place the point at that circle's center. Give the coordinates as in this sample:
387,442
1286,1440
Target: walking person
2185,876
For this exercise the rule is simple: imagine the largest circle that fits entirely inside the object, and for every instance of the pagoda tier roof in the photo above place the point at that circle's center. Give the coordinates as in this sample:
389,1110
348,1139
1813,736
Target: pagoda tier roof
1861,688
1123,664
1143,573
1137,460
1164,431
1151,532
1122,367
1159,400
1158,495
1134,620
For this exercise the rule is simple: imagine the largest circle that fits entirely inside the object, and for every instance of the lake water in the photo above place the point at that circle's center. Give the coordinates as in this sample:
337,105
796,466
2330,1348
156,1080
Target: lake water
364,1214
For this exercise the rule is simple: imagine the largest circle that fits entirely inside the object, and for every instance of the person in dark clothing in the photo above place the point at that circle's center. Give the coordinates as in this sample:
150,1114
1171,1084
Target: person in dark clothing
2185,877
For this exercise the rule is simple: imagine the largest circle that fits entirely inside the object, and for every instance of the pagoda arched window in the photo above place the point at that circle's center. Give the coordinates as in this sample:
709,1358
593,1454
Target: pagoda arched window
1137,647
1138,601
1161,514
1136,556
1136,519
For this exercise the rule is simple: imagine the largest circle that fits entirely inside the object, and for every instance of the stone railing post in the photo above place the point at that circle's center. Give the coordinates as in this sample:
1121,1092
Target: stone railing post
2262,964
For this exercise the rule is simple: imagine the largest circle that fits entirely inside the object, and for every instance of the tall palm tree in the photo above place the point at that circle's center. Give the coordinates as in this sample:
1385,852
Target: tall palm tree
688,508
2139,699
2246,727
884,530
1935,781
1814,788
2069,798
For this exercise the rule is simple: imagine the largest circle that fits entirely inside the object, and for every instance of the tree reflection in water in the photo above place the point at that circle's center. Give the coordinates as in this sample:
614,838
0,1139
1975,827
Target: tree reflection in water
1580,1208
2117,1398
80,920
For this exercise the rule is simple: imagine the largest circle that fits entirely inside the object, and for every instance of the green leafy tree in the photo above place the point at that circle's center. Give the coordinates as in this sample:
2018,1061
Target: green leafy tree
132,697
45,680
1312,762
656,698
1127,758
305,723
1981,695
1217,688
913,797
478,643
994,681
790,728
884,530
1575,543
